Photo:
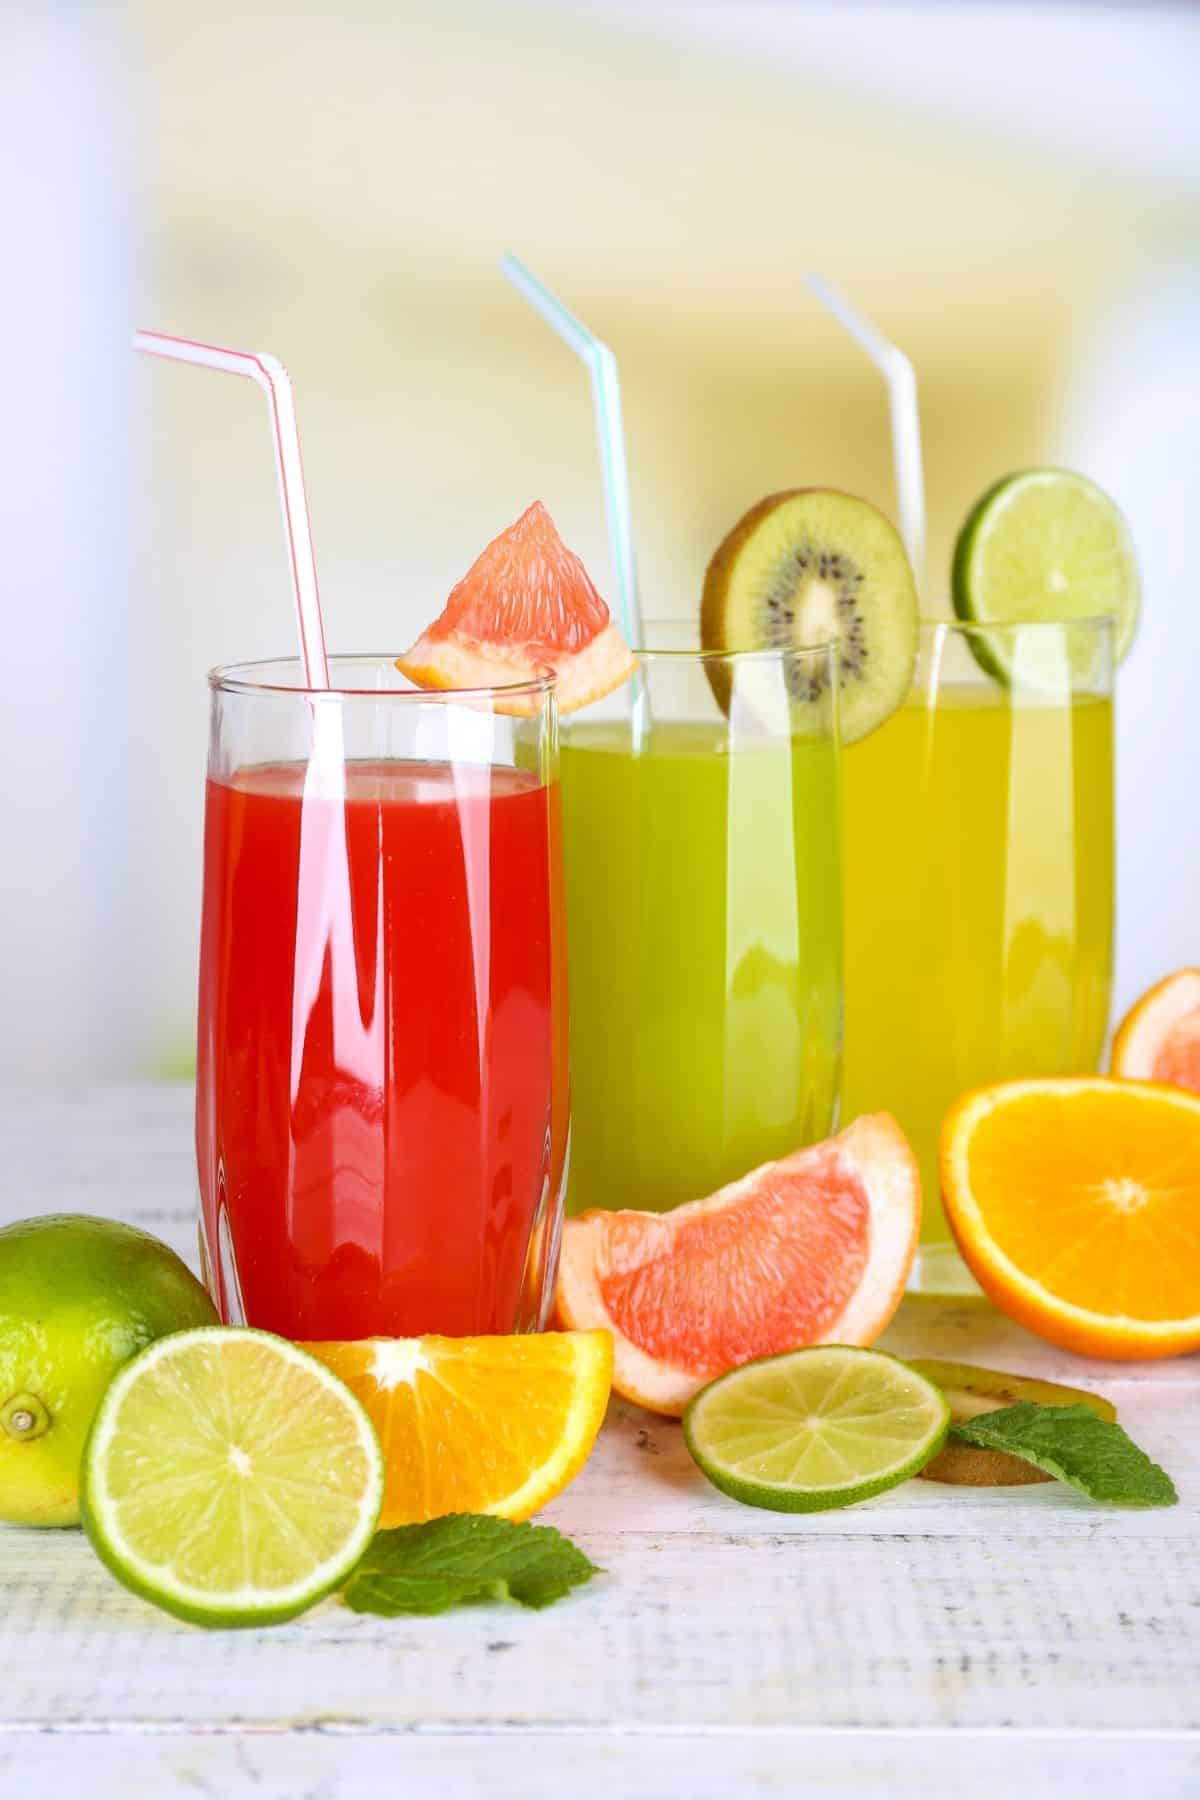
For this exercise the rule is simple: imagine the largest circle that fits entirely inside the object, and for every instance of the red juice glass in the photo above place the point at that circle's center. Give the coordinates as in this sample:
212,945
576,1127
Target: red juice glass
382,1092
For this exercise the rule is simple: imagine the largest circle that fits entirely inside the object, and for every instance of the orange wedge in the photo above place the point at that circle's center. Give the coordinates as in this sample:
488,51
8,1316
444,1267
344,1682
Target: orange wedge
1076,1205
483,1425
1159,1038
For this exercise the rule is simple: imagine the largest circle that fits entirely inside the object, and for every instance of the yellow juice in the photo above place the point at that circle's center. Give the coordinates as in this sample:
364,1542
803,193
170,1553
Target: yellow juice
978,867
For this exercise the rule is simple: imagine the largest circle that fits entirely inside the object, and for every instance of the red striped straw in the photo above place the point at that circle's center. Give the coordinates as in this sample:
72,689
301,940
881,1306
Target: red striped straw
272,378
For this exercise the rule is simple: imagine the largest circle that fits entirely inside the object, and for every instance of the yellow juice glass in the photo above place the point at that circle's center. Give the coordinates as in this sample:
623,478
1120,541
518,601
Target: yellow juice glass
978,850
702,862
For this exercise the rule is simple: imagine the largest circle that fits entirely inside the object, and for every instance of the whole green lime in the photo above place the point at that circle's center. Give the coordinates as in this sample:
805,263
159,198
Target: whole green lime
78,1298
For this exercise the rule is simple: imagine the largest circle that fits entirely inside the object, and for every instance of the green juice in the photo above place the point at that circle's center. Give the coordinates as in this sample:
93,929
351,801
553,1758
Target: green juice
704,926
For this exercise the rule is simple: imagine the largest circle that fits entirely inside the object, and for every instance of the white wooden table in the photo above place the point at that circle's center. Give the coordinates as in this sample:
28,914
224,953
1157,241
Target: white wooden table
935,1641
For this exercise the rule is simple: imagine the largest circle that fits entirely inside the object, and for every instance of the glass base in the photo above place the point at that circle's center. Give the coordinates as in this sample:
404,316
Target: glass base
939,1269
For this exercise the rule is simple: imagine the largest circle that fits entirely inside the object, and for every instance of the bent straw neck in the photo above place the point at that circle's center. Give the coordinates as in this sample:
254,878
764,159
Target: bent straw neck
901,383
268,373
610,433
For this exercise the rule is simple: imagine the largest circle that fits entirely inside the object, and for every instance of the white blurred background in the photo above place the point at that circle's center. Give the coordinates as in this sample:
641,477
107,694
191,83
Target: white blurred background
1013,191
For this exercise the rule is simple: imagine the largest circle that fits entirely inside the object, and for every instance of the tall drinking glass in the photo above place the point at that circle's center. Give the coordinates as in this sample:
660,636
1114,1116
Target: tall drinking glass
381,1105
978,833
703,911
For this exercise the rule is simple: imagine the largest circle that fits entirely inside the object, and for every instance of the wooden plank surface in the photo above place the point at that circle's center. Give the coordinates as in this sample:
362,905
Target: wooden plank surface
1011,1640
510,1766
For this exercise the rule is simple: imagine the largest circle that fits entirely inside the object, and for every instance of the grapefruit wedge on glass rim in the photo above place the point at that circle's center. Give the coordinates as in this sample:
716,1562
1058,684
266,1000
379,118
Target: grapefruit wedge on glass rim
813,1249
525,606
1159,1037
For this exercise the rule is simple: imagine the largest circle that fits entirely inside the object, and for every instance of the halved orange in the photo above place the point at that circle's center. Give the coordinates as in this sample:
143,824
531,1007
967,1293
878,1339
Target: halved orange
813,1249
1076,1205
483,1425
526,604
1159,1038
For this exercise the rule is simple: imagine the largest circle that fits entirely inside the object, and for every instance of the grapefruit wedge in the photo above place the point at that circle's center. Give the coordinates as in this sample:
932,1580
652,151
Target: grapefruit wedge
814,1249
1159,1038
525,606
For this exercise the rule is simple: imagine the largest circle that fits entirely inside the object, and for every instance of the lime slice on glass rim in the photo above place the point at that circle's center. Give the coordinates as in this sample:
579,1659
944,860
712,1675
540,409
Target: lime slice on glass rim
816,1428
230,1477
1042,546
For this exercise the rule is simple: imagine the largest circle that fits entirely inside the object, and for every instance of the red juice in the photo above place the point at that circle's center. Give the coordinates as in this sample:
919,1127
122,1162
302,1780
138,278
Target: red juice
381,1087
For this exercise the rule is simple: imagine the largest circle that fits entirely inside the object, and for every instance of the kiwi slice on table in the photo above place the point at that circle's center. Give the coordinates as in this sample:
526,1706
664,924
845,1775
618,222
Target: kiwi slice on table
971,1391
811,565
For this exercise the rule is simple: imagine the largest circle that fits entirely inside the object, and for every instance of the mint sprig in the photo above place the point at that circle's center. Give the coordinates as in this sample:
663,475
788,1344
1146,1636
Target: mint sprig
461,1558
1091,1454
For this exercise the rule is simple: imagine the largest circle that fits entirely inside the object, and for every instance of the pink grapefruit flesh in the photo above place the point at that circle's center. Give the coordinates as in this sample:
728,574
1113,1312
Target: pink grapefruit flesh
525,606
813,1249
1159,1038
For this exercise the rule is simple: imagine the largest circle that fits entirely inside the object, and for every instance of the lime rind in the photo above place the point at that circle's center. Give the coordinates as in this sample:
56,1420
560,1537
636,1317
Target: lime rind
1044,546
157,1531
817,1428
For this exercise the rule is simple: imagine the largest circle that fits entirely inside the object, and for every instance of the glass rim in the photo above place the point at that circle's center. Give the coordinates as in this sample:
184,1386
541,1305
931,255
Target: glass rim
239,678
1085,622
826,648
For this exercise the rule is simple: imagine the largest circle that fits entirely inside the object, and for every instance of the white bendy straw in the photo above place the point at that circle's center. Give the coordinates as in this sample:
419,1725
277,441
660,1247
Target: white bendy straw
901,380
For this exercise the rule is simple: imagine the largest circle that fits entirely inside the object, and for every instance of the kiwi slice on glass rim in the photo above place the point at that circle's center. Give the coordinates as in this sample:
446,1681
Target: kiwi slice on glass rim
807,566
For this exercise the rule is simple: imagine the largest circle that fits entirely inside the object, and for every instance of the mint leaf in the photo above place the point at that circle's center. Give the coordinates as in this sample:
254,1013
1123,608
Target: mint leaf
463,1557
1092,1454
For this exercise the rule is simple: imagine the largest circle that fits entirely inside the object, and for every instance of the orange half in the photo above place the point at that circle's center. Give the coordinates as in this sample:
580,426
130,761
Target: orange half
1076,1205
482,1425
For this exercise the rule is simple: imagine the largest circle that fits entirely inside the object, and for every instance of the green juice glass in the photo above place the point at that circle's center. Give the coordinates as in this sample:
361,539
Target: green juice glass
702,861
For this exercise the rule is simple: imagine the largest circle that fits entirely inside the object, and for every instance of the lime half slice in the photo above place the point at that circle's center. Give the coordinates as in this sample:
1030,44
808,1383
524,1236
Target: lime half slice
815,1428
230,1477
1046,544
